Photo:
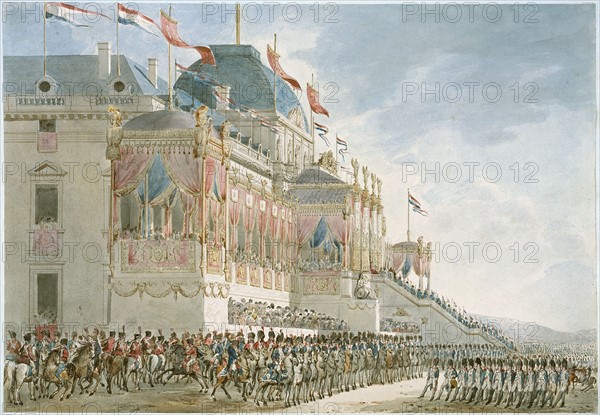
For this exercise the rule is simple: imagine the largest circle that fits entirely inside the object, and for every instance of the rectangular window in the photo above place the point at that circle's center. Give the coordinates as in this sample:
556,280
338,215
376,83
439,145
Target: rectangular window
47,301
46,204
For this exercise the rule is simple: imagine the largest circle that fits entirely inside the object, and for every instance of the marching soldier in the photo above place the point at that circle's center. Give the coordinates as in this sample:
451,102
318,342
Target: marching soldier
530,383
552,383
541,386
449,384
563,384
432,379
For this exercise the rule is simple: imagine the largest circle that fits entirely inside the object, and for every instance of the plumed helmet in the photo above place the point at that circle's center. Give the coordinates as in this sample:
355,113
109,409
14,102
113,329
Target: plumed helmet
148,333
477,361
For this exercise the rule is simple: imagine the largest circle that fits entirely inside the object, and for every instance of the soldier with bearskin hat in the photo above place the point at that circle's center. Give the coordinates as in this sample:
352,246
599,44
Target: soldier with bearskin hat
563,384
433,374
449,384
540,386
553,377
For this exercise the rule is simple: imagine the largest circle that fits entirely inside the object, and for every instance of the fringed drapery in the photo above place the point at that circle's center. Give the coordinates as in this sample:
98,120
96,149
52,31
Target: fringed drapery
167,206
188,203
235,209
249,218
306,227
319,234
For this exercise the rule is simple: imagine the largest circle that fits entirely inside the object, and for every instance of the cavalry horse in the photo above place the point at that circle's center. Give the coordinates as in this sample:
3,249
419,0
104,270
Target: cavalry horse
82,361
48,375
225,375
178,368
15,374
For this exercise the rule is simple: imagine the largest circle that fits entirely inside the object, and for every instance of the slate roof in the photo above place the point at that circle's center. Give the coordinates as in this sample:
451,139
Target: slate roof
251,82
308,187
316,175
320,195
75,73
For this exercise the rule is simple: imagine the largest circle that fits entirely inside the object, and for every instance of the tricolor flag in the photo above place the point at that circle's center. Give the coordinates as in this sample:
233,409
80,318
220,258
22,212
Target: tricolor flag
168,27
344,147
205,79
128,16
273,58
71,14
313,100
323,130
416,205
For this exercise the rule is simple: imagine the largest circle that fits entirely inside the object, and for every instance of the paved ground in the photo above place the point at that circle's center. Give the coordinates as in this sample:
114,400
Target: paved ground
183,397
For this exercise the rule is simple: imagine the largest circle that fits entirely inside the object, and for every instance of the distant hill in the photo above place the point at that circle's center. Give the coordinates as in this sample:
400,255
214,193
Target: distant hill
530,332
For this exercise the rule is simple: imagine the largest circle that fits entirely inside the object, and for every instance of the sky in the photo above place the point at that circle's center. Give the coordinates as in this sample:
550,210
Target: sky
487,113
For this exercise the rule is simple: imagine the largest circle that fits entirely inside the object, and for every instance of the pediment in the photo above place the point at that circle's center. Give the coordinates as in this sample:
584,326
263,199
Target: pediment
47,169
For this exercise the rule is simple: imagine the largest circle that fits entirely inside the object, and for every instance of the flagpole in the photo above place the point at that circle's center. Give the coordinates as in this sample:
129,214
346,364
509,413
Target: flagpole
117,24
408,215
275,77
336,147
312,121
237,23
45,38
170,103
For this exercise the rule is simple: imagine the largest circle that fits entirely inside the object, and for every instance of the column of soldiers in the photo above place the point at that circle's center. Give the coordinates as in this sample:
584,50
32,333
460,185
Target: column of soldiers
512,381
470,373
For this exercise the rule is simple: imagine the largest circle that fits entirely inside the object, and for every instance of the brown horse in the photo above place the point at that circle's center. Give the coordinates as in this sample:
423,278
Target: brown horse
113,365
48,374
82,360
178,368
224,375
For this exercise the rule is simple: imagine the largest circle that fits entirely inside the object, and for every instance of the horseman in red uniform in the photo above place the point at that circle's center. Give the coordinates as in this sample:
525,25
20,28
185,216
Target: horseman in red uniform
208,339
135,350
13,346
120,348
190,362
64,356
108,345
28,353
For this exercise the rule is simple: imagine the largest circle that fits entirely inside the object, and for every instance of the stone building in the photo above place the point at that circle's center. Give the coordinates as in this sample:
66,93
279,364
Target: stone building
126,207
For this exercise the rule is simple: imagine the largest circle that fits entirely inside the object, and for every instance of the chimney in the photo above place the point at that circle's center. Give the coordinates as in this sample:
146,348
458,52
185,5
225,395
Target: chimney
153,71
103,60
223,98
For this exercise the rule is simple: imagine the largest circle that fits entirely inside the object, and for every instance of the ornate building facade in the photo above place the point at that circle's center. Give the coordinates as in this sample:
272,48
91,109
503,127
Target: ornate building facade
122,209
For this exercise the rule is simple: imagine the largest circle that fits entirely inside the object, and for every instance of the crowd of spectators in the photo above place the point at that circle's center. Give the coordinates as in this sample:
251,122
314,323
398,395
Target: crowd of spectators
394,326
459,314
259,313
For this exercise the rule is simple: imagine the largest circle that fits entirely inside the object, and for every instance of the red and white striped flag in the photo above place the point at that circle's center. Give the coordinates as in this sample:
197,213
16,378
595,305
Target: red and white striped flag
71,14
168,27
